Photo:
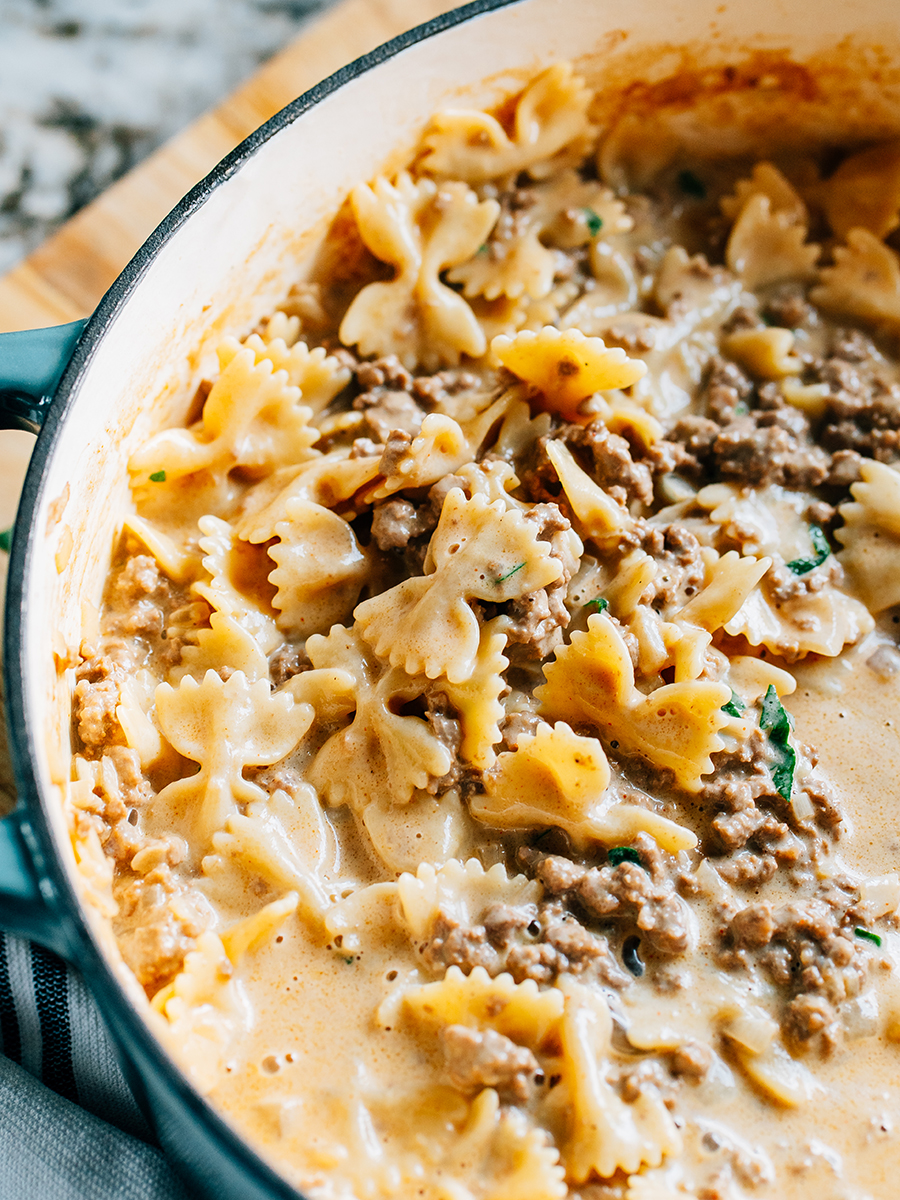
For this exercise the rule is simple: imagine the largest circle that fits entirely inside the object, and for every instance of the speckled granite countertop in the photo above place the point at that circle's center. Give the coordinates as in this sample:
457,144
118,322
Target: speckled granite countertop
88,87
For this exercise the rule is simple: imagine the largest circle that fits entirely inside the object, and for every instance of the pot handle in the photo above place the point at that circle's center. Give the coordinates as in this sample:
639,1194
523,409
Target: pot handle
24,910
32,363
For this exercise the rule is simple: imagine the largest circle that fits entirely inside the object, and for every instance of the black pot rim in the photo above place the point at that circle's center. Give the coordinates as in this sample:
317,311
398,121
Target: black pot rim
63,904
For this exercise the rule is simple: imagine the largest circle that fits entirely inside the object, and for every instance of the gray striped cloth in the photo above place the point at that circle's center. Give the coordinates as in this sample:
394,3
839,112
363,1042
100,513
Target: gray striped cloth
71,1128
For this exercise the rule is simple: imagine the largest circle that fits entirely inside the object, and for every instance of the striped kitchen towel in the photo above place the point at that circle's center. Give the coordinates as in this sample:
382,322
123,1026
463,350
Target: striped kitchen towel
69,1126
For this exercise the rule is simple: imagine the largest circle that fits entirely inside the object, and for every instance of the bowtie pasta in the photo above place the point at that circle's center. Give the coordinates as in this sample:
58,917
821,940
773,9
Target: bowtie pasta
487,757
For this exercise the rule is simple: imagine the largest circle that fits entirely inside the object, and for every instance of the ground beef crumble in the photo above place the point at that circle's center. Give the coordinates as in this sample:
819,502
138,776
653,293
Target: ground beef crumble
634,896
157,925
809,950
535,942
476,1059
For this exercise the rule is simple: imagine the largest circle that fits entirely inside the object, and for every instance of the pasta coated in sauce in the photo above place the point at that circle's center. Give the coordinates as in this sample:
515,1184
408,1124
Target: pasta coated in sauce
448,760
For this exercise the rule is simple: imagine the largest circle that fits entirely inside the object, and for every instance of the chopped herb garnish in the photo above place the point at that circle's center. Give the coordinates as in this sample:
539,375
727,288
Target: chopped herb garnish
691,185
158,477
599,604
6,540
594,221
620,854
482,249
349,961
777,723
630,956
820,544
868,935
509,574
734,707
741,408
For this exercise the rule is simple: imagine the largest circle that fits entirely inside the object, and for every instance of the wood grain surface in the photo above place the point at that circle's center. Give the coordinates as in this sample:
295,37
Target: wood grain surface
66,277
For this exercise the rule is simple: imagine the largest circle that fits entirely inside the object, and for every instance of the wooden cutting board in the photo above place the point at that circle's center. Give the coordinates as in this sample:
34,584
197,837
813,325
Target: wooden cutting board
66,277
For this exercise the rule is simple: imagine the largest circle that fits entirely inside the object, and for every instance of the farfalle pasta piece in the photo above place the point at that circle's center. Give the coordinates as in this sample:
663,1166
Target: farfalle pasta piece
766,180
514,265
420,228
254,931
225,726
281,327
133,714
226,643
380,753
729,581
550,115
319,375
179,564
319,568
676,726
768,244
517,1010
766,353
520,430
479,551
553,777
616,290
226,562
770,522
517,260
492,479
689,291
870,536
565,366
329,480
864,192
440,448
429,829
252,418
598,515
499,1155
634,574
820,622
477,699
286,842
556,778
462,890
205,1009
864,282
459,1149
605,1134
437,450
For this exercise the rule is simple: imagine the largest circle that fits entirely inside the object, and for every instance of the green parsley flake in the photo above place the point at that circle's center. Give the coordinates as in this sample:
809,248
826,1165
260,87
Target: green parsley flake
158,477
868,935
482,249
599,603
620,854
509,574
734,707
349,961
691,185
6,540
594,221
777,723
800,566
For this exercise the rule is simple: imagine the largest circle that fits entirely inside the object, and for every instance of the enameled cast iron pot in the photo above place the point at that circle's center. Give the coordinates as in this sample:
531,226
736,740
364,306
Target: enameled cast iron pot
224,258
